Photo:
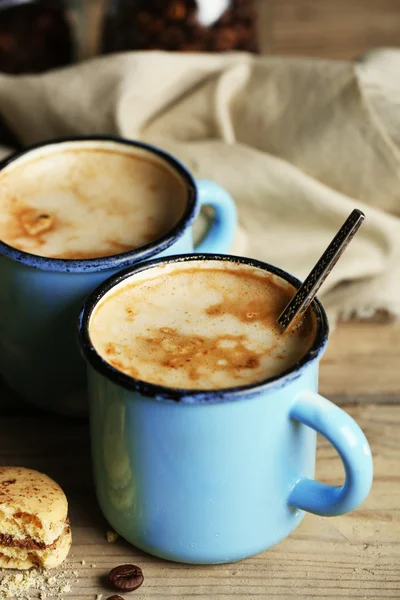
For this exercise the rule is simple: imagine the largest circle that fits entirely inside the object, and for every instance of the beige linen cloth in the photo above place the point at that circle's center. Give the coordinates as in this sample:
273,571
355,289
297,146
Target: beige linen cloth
297,142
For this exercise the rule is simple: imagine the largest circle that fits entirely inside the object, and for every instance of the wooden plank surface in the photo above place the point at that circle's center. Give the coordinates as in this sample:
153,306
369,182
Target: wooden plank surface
343,29
362,363
353,556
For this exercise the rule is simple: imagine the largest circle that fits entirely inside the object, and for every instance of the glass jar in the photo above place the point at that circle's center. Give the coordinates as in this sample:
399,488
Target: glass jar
183,25
35,36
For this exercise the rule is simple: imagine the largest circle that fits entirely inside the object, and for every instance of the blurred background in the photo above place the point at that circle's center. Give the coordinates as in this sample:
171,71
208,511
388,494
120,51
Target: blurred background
36,35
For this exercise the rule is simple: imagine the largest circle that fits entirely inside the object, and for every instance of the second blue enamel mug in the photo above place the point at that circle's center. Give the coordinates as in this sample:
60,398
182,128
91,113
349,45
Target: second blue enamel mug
40,297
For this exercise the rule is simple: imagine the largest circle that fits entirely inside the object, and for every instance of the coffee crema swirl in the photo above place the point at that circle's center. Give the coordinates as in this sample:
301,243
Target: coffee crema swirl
82,200
207,325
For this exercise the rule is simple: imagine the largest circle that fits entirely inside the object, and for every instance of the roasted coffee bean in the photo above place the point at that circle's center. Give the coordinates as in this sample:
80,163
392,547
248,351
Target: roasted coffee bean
115,598
126,577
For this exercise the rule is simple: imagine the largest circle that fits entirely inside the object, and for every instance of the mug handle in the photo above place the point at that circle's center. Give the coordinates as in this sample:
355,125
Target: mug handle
350,442
219,237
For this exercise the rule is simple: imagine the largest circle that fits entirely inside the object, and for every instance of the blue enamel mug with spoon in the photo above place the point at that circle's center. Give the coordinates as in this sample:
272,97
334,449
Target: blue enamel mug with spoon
212,475
40,296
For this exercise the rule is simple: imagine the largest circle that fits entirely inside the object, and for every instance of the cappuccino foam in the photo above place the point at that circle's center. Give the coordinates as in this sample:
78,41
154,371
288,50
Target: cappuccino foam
199,325
88,199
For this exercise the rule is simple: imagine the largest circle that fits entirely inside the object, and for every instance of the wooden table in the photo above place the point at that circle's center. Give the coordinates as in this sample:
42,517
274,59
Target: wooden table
343,29
353,556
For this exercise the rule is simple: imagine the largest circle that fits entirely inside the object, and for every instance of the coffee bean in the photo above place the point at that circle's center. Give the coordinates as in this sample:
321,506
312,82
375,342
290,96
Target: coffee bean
126,577
115,598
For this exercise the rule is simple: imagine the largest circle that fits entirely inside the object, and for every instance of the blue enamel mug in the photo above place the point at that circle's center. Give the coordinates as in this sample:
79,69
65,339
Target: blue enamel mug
40,297
214,476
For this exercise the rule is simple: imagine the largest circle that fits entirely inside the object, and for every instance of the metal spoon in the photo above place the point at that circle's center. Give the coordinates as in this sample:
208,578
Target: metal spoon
306,293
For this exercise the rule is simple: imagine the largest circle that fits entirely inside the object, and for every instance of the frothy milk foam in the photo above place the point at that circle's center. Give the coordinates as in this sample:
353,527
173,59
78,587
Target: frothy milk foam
199,325
88,199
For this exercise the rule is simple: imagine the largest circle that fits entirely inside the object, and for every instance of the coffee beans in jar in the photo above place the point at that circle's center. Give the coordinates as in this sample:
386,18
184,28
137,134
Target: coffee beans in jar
180,25
35,36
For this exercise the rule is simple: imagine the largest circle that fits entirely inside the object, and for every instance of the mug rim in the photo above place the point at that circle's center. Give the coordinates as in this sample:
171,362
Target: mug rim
123,259
195,396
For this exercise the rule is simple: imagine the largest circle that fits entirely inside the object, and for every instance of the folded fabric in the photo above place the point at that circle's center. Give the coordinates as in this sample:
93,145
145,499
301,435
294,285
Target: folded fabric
298,142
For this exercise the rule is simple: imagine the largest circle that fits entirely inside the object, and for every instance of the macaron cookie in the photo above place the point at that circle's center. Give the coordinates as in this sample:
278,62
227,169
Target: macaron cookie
34,526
